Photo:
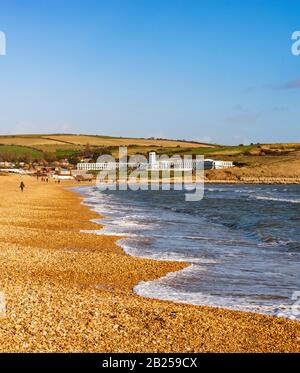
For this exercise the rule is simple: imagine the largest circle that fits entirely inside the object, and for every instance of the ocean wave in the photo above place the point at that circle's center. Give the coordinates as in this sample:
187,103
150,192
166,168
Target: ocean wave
108,232
228,244
276,199
130,249
163,289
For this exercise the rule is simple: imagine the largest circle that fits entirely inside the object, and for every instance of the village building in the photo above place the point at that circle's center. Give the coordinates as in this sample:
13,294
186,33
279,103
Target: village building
158,163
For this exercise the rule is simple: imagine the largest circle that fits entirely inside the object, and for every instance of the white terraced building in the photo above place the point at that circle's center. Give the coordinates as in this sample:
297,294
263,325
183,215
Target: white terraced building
155,163
212,164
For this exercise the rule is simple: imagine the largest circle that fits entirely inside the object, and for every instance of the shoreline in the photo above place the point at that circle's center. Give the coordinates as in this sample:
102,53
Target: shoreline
242,181
256,181
142,283
187,266
69,291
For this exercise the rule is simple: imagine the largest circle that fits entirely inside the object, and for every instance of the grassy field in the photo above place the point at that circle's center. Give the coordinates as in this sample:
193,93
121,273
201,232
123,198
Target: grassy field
20,151
119,141
27,141
63,145
82,140
259,162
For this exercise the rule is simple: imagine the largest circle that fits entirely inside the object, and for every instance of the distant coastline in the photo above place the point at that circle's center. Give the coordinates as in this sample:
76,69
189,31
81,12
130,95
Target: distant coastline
256,181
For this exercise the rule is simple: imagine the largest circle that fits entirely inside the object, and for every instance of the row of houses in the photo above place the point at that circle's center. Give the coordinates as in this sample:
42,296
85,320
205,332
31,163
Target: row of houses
49,172
154,162
158,163
11,164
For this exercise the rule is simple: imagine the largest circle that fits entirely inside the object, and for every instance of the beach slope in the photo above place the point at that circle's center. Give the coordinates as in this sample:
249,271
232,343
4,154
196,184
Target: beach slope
67,291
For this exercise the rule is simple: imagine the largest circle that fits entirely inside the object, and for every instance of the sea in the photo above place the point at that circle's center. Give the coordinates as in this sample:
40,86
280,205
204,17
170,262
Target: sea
242,243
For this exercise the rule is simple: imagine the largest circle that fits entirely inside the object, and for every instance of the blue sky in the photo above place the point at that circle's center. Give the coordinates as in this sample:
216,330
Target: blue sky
217,71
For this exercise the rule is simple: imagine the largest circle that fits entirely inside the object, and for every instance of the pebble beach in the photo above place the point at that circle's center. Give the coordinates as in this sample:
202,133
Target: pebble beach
69,291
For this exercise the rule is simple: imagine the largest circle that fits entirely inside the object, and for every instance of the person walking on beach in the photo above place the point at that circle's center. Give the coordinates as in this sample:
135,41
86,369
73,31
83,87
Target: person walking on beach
22,186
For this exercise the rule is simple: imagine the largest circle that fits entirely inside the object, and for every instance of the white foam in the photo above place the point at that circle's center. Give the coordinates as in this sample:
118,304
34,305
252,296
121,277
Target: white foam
287,200
163,256
160,289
